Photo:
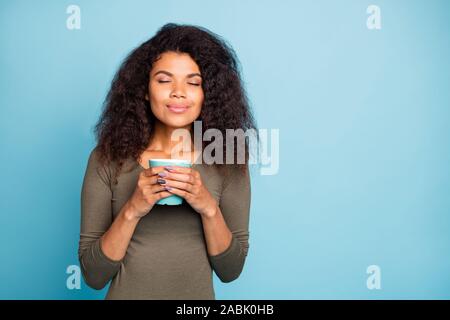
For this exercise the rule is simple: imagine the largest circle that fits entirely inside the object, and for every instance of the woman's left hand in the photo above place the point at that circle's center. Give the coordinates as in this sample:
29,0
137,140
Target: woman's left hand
187,183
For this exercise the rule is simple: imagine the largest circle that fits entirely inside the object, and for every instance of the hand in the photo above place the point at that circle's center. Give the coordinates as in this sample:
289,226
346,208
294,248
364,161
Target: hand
148,191
187,183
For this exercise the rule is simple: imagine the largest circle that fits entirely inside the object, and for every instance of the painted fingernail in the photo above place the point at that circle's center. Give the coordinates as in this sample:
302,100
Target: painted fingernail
168,188
168,168
162,174
161,181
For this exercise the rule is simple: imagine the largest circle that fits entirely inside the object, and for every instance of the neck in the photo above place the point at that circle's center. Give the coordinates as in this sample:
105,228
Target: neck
162,142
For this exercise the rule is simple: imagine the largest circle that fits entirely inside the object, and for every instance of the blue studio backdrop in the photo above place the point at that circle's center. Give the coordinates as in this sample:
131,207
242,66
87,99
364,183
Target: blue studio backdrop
359,207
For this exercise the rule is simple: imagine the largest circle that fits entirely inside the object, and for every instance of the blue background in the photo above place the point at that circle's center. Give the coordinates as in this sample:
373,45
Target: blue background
364,126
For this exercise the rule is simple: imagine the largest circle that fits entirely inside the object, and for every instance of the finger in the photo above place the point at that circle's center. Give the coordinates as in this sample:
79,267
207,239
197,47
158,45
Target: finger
157,188
150,190
153,171
146,182
178,192
180,177
179,169
179,185
183,170
163,194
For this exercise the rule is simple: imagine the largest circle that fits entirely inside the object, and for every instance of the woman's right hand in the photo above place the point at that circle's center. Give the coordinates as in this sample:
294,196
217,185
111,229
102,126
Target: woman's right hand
148,191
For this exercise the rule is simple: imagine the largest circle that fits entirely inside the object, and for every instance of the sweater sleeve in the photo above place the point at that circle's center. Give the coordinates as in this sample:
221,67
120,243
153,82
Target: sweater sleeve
235,207
96,218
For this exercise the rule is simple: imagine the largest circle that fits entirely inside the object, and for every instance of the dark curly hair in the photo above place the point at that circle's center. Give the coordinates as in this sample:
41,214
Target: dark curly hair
126,124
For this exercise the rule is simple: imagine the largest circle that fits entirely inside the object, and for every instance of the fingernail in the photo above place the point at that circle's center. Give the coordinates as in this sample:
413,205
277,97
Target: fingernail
162,174
161,181
168,168
168,188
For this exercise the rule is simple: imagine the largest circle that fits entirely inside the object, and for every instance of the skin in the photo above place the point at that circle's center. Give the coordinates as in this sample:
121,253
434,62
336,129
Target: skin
175,78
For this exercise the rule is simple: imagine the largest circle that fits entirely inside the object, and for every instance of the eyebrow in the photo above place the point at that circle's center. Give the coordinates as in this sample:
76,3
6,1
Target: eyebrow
171,75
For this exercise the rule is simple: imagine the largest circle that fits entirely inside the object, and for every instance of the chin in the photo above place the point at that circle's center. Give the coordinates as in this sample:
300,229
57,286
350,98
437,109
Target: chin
178,123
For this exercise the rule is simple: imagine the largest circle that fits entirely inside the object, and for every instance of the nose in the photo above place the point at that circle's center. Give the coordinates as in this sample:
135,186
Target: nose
178,91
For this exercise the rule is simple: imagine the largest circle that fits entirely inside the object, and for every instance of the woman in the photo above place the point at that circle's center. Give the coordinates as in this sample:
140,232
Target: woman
149,251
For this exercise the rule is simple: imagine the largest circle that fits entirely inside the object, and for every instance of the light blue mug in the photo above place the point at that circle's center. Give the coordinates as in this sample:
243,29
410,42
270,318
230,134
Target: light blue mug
172,200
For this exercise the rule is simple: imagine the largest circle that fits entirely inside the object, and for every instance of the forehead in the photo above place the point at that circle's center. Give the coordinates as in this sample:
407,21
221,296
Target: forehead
176,63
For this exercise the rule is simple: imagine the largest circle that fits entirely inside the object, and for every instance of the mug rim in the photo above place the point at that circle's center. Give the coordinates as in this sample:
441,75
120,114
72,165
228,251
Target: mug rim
172,160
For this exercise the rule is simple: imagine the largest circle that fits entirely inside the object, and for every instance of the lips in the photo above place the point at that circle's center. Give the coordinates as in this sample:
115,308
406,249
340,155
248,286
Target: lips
177,108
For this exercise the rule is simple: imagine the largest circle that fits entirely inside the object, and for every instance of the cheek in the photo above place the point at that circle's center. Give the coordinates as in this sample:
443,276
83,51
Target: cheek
157,95
199,98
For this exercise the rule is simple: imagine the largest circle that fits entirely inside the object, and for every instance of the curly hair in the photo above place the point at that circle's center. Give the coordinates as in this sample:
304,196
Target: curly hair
126,124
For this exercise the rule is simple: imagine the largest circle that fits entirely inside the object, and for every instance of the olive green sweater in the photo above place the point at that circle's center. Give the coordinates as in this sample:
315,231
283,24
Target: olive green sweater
167,256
